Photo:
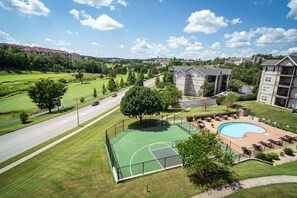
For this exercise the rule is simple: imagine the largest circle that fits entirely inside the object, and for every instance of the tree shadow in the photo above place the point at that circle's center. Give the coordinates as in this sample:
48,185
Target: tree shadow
150,125
27,122
62,110
173,110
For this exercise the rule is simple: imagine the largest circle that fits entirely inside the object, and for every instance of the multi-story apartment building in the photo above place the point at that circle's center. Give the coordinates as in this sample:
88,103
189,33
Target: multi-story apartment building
41,50
237,61
190,79
278,84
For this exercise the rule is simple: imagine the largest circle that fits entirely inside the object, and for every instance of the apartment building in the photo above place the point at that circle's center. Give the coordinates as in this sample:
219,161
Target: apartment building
41,50
237,61
190,79
278,84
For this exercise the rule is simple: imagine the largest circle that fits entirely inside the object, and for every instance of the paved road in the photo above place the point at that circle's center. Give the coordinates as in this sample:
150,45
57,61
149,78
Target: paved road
21,140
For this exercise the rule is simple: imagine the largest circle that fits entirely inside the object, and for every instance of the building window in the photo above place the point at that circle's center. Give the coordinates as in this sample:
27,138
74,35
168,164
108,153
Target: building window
264,98
267,79
270,69
265,88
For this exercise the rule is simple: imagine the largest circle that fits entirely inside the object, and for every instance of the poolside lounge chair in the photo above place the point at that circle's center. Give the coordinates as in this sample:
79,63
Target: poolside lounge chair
246,151
208,119
286,139
201,125
217,118
257,147
269,145
290,137
276,142
234,116
225,117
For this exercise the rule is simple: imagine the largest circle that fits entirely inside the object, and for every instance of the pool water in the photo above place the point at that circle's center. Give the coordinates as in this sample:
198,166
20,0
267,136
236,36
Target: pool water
238,129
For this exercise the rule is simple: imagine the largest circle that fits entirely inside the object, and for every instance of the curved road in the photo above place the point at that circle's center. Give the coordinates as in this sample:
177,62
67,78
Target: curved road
21,140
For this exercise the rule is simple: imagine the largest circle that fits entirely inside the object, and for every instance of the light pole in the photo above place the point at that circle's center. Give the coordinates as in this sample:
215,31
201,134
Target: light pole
77,115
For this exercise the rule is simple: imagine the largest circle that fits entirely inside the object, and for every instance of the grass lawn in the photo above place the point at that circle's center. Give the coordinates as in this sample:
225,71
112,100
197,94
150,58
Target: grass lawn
277,114
276,190
79,167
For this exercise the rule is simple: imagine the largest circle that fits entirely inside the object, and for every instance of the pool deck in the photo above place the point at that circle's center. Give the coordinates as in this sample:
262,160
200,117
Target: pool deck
249,138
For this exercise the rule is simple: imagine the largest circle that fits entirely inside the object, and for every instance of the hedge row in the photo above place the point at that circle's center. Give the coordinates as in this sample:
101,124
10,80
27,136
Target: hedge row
202,117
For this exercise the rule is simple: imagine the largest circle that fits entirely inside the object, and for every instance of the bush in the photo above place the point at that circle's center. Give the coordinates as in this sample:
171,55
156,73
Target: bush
196,117
62,80
288,151
272,156
82,99
261,155
189,118
101,76
220,99
23,115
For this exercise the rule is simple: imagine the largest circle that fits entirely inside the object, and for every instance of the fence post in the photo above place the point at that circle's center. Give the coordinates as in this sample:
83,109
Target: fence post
239,157
142,167
173,118
123,126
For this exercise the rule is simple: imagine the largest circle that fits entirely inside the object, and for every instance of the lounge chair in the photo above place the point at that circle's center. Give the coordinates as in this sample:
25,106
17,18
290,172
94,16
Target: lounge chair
246,151
290,137
269,145
276,142
257,147
286,139
234,116
208,119
201,125
225,117
217,118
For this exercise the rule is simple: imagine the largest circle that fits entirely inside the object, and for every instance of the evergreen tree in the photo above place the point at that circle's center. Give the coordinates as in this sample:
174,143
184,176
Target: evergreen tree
95,93
139,81
103,89
122,84
111,86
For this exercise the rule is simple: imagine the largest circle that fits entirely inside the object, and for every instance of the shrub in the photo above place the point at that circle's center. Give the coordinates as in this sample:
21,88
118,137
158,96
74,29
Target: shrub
196,117
189,118
101,76
261,155
272,156
62,80
202,117
82,99
288,151
23,115
220,99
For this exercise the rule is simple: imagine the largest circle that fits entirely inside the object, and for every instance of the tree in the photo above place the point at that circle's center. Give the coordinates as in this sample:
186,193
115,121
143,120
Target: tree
170,96
204,160
140,101
95,93
139,80
235,84
45,93
103,89
131,78
157,80
229,100
23,115
79,76
111,86
122,84
174,62
207,88
82,99
168,78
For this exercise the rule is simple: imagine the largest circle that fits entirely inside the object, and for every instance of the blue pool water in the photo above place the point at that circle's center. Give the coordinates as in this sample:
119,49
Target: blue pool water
238,129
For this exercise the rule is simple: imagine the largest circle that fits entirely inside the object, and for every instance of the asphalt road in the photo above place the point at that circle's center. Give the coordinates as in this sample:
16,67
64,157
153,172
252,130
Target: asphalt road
21,140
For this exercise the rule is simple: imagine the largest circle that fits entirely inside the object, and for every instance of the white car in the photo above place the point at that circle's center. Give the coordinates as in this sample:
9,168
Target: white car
225,93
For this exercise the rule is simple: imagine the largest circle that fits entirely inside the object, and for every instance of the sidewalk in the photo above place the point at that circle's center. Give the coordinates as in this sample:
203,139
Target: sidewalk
248,183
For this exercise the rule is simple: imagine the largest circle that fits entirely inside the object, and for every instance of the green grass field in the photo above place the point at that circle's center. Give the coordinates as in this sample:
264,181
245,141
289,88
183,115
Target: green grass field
79,167
288,190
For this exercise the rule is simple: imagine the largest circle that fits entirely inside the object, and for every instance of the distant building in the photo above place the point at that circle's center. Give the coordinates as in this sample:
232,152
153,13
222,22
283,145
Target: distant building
237,61
278,84
190,79
40,50
162,61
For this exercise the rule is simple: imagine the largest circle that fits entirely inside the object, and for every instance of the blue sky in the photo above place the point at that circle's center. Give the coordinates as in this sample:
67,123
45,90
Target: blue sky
196,29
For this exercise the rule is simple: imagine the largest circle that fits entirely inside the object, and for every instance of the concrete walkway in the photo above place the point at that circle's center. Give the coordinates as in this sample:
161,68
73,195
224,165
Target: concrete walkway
248,183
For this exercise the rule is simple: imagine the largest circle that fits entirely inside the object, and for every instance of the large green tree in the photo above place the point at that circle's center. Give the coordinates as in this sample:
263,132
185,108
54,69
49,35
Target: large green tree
46,93
79,76
204,160
131,78
140,101
229,100
170,96
139,80
207,88
111,86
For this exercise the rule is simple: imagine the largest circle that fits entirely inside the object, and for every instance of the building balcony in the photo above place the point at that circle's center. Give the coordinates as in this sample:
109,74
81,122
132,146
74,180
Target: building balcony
283,84
281,94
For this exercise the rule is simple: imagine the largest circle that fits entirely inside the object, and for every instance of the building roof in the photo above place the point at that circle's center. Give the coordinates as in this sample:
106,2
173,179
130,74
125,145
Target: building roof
207,71
270,62
294,58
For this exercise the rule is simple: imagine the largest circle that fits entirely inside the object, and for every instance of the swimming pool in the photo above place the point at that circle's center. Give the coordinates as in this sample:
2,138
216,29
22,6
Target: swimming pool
238,129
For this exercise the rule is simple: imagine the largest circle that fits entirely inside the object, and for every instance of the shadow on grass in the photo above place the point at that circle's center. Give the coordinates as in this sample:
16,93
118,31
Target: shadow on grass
175,110
61,110
150,125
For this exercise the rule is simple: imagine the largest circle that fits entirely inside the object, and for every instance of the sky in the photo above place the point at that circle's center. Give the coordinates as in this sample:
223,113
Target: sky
190,29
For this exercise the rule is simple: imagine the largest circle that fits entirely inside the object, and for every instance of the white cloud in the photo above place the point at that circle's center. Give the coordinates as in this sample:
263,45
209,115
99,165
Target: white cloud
32,45
142,47
112,8
274,52
194,48
235,21
72,33
98,44
289,51
238,39
247,52
216,45
275,36
175,42
293,9
160,1
122,2
205,21
59,42
70,50
262,2
6,38
211,54
121,46
103,22
27,7
95,3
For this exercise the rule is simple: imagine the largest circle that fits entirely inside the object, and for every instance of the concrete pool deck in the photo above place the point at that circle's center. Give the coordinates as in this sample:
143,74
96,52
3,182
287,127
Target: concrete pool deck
249,138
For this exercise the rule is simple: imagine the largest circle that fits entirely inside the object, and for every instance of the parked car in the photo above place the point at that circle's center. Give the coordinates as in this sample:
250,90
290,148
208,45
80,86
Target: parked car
225,93
114,95
95,103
